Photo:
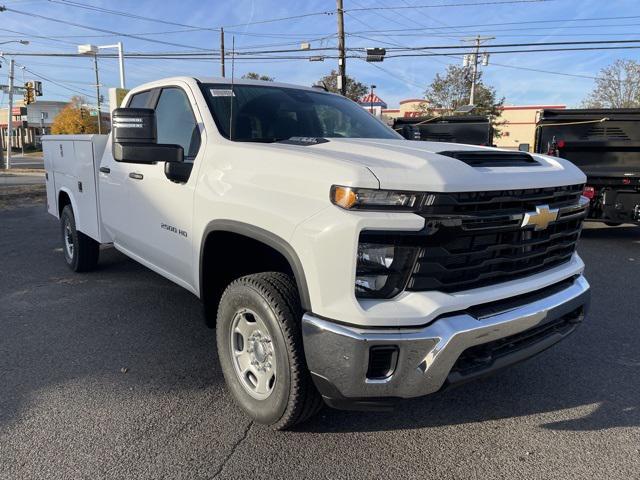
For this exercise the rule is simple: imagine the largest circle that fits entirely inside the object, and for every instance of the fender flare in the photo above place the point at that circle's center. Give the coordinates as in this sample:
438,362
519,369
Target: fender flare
272,240
72,199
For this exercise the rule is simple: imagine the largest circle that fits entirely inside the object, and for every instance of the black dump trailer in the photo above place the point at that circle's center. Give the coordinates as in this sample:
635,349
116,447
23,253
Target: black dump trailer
605,144
469,129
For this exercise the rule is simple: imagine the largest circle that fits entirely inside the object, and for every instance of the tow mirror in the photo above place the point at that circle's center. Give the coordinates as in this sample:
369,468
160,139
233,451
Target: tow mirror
134,138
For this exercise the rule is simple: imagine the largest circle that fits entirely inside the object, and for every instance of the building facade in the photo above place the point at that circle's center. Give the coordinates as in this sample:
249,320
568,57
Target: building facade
38,119
519,125
373,104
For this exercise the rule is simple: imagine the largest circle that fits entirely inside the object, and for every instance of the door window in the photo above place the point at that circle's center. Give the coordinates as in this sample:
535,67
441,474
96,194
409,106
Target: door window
139,100
176,123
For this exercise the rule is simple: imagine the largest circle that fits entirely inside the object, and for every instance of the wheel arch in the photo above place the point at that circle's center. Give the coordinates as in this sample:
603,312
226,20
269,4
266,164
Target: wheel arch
64,198
264,237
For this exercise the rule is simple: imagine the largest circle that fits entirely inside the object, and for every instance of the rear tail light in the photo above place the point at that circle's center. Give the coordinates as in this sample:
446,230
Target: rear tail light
561,143
589,192
626,181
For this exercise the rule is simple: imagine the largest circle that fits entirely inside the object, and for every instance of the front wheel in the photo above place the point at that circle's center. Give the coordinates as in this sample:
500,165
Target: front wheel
260,350
80,251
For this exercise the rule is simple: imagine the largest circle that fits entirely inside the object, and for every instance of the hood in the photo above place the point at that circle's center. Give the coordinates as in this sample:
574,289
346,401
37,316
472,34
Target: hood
413,165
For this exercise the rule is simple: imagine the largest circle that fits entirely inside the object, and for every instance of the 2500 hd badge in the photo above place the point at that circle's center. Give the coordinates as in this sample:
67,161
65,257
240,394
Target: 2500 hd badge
173,229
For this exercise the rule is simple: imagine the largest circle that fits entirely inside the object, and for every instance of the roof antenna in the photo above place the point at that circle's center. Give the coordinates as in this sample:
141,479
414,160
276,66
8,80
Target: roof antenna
233,57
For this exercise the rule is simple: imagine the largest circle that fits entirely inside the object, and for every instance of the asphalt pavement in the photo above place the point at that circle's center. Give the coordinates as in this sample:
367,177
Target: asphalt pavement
112,374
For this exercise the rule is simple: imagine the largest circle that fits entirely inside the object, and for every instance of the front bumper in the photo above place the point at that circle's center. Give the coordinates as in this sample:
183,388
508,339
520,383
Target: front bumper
429,358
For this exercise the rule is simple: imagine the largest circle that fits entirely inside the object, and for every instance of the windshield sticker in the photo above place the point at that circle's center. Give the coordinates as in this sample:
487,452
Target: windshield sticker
218,92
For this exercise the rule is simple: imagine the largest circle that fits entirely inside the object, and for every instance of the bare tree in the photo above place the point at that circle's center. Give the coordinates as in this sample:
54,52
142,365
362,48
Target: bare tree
257,76
355,89
449,91
617,86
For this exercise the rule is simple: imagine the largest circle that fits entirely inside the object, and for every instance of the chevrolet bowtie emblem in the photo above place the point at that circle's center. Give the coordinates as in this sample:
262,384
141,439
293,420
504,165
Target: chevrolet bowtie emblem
541,218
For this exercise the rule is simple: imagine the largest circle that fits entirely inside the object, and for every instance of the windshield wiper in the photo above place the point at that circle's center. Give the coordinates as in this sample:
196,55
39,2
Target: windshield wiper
263,139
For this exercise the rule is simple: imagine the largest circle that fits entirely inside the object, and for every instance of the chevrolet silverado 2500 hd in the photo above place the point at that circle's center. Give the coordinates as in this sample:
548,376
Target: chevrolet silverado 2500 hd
339,262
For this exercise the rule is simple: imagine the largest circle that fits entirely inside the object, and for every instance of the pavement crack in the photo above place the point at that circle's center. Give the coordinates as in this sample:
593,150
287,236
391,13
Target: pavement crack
233,449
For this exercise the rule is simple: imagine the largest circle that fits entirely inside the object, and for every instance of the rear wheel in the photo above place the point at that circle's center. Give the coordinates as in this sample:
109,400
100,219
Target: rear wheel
80,251
260,350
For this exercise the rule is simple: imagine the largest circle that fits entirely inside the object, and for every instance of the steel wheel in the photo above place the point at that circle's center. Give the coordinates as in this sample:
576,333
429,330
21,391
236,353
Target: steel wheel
252,349
68,238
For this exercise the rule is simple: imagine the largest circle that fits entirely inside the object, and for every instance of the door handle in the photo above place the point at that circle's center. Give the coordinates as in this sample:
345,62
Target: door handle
136,176
105,170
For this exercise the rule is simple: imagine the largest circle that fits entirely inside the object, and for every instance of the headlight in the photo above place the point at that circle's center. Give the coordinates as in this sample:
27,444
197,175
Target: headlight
351,198
382,269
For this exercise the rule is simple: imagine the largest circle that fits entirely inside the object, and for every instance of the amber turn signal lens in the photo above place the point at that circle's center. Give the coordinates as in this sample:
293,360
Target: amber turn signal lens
344,197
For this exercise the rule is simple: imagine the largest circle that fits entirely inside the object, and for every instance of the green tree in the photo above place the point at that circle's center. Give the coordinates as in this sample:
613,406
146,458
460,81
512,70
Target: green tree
450,91
257,76
355,90
74,118
617,86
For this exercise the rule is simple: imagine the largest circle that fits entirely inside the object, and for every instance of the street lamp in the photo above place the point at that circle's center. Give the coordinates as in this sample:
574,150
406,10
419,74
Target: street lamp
373,87
21,42
93,50
89,49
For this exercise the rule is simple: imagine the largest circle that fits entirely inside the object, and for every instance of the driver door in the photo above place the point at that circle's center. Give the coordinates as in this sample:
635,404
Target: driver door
161,195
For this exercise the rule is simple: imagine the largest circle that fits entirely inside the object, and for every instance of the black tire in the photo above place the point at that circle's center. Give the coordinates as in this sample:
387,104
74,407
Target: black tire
612,224
80,251
274,298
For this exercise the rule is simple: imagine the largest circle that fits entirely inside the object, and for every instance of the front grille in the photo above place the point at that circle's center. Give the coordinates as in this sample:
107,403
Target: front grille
477,240
501,201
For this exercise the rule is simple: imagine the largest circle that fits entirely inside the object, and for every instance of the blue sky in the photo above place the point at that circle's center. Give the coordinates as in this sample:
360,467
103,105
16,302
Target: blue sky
396,79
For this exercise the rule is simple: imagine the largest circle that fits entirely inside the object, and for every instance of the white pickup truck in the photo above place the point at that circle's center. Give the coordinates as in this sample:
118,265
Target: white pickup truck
340,263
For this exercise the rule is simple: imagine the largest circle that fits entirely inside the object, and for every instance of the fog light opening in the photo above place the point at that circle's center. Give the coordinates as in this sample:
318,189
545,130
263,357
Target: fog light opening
382,361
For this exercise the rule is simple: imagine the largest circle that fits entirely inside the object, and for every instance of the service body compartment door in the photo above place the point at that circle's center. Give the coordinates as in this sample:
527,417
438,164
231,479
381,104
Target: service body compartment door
71,170
114,198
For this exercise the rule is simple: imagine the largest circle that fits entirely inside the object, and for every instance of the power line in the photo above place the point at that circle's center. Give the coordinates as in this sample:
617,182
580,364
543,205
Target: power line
496,52
281,19
441,5
31,35
73,24
61,85
523,22
95,8
505,45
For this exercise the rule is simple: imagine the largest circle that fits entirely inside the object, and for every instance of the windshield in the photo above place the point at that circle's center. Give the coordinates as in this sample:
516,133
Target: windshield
264,113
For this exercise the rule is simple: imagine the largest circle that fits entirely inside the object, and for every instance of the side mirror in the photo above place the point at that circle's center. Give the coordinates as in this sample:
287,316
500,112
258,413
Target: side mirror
134,138
523,147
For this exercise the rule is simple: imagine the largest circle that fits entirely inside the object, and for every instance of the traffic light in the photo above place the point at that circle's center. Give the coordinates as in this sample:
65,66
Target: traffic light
376,54
29,93
37,86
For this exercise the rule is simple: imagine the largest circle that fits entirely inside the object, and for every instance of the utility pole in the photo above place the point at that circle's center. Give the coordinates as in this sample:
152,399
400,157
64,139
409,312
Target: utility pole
474,64
10,113
342,60
373,87
222,52
95,66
